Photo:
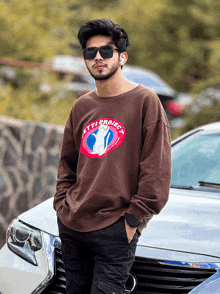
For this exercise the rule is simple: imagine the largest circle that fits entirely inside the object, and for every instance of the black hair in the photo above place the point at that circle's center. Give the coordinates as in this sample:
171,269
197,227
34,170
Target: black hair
104,27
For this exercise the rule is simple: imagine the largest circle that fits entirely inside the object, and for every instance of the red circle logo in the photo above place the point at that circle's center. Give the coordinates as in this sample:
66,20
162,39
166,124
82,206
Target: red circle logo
101,136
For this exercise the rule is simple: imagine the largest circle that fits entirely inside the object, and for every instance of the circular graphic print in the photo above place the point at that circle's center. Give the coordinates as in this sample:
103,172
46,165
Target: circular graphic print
102,136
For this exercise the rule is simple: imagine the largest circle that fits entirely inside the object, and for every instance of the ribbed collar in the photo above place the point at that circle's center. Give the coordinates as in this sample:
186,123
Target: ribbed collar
106,99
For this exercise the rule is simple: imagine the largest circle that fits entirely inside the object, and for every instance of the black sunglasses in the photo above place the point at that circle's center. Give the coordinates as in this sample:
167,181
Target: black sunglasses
105,52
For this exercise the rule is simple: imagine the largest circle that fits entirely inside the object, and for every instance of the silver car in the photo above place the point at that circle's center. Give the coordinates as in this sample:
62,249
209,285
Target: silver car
179,251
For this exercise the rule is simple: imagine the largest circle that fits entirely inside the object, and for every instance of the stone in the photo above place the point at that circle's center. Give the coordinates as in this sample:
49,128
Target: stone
9,159
51,176
60,140
3,184
22,202
52,159
48,194
40,163
15,132
30,158
11,146
23,150
23,176
52,140
4,204
37,137
2,149
2,236
13,180
37,186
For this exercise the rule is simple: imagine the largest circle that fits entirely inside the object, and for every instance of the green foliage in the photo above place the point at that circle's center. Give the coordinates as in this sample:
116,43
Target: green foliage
34,30
187,43
28,103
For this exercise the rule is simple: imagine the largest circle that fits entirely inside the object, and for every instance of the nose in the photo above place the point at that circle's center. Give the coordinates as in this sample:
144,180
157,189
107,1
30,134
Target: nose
98,56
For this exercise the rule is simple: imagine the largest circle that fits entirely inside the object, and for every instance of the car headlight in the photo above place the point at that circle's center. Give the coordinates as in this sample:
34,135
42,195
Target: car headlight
24,241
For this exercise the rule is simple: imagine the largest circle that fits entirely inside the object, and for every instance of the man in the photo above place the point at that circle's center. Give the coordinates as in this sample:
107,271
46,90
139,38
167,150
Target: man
114,169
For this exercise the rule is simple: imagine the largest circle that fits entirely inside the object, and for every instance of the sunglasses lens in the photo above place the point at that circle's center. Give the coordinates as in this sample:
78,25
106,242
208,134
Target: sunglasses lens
90,53
105,52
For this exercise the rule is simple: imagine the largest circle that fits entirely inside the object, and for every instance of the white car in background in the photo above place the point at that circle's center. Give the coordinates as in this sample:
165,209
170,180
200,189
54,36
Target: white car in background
179,251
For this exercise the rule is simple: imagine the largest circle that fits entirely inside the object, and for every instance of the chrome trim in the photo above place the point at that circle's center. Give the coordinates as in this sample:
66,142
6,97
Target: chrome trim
207,265
176,269
202,265
134,284
48,245
207,282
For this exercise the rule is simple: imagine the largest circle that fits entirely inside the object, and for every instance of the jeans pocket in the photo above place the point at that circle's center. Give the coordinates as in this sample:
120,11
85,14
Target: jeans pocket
136,234
123,229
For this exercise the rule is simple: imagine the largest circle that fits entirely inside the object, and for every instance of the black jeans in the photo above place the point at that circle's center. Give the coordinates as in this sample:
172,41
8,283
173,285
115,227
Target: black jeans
97,262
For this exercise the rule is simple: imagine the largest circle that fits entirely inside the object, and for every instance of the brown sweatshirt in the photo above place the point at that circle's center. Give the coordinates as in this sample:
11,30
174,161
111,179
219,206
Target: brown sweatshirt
115,158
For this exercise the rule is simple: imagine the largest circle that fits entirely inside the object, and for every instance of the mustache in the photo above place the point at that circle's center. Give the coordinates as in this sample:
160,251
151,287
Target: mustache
98,64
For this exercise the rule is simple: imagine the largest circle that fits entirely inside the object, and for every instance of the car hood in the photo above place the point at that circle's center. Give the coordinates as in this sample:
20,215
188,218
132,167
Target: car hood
190,222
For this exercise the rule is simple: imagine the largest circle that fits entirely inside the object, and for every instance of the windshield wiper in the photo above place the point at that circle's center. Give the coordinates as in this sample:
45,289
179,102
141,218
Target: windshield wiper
182,187
209,184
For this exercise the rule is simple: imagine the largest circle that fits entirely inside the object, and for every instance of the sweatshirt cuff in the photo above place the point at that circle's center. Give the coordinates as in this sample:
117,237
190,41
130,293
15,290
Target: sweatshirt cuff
138,212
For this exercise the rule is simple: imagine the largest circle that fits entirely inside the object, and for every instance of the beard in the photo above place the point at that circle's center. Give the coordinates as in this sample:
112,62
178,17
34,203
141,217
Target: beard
103,77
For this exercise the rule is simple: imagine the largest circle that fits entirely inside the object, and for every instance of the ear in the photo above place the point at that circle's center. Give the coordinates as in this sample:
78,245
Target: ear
123,58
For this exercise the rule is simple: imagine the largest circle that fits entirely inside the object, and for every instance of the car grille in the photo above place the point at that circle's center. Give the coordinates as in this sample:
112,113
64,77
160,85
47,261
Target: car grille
153,276
158,277
58,283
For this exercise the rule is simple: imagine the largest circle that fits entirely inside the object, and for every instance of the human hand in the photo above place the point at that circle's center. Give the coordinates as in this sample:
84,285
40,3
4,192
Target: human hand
130,231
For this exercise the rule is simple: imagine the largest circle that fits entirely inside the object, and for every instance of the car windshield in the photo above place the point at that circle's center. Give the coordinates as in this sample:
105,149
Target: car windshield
148,79
196,161
141,78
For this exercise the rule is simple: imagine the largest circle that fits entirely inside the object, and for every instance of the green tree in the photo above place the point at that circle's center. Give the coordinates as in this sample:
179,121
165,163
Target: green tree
187,42
34,30
177,39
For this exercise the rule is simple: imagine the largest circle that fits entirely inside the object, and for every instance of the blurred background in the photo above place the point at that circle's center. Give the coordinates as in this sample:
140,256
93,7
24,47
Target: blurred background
174,49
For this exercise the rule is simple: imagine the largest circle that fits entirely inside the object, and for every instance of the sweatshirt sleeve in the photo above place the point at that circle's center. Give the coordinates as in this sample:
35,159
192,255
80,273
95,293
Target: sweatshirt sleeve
155,171
67,167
